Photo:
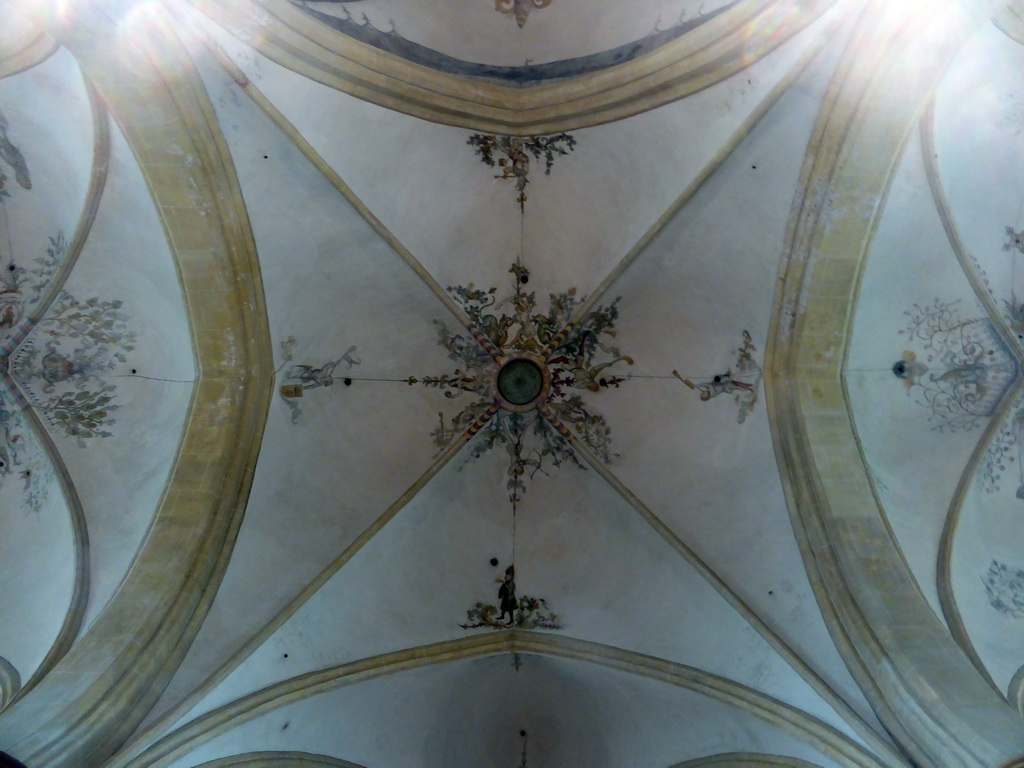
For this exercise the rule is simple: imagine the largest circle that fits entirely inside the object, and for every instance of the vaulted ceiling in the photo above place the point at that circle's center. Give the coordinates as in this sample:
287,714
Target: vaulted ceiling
752,496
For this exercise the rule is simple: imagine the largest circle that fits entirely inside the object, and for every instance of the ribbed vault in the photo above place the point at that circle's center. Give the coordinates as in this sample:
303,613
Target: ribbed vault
544,384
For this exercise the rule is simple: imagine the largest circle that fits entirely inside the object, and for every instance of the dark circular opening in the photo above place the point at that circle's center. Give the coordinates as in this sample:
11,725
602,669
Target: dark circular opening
520,381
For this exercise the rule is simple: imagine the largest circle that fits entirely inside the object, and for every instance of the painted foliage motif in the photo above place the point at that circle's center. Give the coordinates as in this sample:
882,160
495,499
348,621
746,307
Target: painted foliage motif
963,368
64,364
523,611
22,461
1013,309
742,380
1007,448
516,151
13,278
14,160
1005,588
57,363
22,288
1002,455
578,358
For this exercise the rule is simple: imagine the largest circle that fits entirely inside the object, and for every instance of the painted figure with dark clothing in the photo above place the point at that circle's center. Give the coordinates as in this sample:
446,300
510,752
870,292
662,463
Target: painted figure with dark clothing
507,595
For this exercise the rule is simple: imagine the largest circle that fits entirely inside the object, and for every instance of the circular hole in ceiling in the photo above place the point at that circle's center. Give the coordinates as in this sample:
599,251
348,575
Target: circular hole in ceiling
520,381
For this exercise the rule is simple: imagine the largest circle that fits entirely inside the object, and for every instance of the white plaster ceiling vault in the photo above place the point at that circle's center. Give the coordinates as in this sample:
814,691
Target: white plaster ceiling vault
822,565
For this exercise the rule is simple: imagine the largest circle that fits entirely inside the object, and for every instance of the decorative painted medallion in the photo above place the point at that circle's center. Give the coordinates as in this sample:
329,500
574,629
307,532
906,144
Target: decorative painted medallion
517,150
524,370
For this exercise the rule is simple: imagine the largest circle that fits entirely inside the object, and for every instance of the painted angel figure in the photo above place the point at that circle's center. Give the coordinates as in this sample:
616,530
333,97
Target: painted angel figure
309,376
324,375
11,306
584,376
518,465
515,165
723,383
314,377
